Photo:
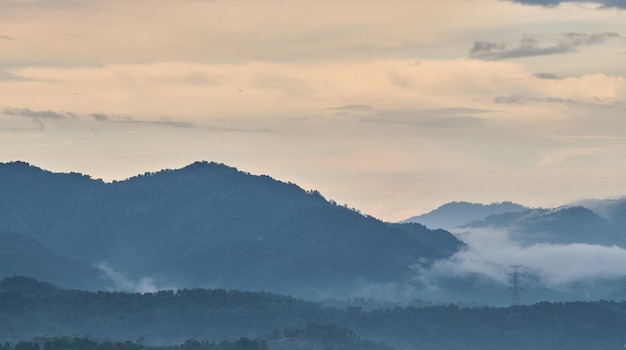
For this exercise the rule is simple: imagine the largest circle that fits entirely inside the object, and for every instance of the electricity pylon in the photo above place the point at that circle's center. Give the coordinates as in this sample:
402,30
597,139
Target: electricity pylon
515,285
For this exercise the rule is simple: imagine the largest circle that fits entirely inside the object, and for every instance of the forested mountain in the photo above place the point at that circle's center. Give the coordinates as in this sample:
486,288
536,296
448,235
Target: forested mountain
569,224
205,225
454,214
283,322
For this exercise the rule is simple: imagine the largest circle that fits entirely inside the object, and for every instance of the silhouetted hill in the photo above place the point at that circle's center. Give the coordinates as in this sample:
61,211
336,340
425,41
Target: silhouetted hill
211,225
454,214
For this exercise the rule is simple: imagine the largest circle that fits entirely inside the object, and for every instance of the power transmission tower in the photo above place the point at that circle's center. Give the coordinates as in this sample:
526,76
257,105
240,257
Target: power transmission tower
515,285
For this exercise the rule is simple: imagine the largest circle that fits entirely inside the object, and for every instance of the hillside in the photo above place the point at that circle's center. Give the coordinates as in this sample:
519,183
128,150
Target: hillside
211,225
22,255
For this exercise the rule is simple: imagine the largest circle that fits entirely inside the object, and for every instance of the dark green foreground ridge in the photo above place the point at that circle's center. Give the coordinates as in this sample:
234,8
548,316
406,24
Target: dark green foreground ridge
33,309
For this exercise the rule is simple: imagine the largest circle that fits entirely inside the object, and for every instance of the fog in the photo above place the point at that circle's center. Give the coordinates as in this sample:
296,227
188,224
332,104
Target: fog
491,253
121,281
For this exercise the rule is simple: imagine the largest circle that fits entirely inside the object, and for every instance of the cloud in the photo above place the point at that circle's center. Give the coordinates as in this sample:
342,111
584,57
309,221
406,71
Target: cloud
166,123
560,156
592,137
423,118
39,126
523,100
51,115
40,116
124,283
594,89
129,120
6,76
428,118
537,46
352,107
26,112
104,118
238,130
434,83
491,252
36,117
344,110
400,81
547,76
101,117
581,39
620,4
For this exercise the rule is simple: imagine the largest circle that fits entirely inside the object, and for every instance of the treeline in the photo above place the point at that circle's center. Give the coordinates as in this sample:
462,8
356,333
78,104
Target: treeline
29,308
311,337
80,343
164,315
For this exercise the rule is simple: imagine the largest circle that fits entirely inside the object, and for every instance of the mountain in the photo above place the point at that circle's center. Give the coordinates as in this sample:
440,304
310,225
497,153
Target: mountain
564,225
208,224
454,214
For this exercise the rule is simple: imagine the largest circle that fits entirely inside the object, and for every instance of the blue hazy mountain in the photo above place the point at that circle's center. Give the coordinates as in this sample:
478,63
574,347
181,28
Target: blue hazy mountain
208,224
564,225
454,214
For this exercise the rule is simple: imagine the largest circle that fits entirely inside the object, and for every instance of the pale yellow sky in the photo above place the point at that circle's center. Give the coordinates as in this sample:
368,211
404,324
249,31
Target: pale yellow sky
391,107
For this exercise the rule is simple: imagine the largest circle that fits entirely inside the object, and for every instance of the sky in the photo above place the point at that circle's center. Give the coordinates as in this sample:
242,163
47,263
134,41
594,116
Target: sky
393,107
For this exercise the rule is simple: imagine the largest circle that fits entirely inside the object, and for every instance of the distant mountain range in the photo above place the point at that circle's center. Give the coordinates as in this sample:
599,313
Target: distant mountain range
565,253
564,225
455,214
591,221
205,225
209,225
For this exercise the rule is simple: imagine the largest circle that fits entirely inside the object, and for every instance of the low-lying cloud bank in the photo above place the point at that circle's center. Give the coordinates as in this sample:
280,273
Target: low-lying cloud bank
491,253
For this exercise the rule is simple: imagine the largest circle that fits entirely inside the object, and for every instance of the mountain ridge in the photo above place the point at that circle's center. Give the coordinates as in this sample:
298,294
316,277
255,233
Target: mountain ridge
208,224
563,225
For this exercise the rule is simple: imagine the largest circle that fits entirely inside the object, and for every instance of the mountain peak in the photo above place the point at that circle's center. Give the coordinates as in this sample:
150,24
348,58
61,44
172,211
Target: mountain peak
203,164
19,165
